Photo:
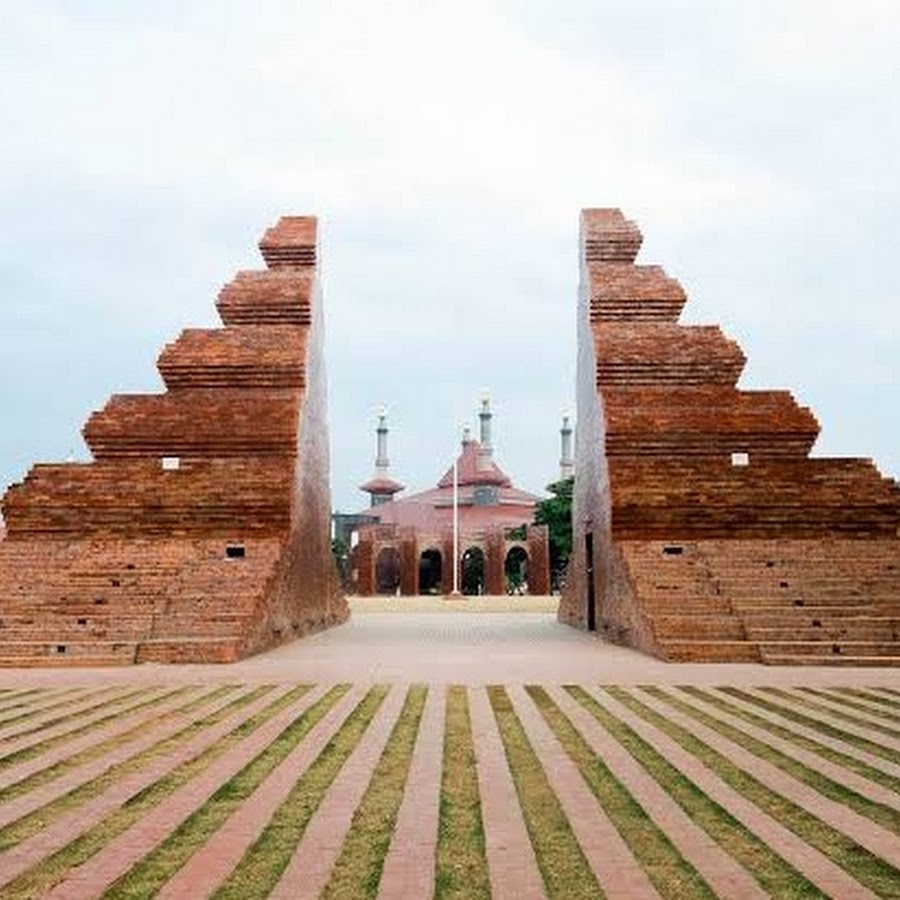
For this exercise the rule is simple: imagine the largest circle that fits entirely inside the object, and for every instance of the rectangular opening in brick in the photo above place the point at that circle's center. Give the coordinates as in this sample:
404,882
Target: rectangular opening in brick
673,550
235,551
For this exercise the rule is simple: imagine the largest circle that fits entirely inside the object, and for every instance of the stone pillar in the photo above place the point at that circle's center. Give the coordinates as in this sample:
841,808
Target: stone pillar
362,561
409,563
494,559
538,559
447,563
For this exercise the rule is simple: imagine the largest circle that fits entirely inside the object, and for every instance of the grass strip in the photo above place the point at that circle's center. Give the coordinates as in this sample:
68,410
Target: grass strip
358,869
41,878
69,717
775,875
863,865
29,824
892,782
146,877
30,710
559,856
670,872
41,747
883,815
261,866
849,701
95,751
809,703
13,696
461,870
869,695
832,731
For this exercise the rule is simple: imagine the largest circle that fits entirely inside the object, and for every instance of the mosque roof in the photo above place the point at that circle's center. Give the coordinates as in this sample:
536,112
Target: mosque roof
381,485
432,509
474,466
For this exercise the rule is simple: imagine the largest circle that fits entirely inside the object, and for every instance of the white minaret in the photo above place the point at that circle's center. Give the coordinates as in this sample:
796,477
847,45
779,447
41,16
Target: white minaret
485,450
381,458
381,487
484,420
566,462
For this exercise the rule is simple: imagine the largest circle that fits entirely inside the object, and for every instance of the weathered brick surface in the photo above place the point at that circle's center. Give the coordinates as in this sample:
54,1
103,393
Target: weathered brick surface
712,422
201,530
202,422
628,293
664,354
279,297
608,237
205,496
249,356
713,534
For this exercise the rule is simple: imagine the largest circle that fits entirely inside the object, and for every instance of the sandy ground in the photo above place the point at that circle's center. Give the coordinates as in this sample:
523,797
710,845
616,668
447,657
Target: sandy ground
444,641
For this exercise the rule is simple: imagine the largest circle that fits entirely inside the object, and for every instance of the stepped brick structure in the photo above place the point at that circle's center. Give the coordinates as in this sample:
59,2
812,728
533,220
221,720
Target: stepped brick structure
201,530
703,528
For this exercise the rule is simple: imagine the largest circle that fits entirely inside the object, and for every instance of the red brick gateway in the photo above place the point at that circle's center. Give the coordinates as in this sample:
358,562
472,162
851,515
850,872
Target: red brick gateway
201,529
703,529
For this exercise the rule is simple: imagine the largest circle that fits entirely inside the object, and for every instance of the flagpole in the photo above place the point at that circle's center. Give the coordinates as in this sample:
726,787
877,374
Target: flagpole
455,526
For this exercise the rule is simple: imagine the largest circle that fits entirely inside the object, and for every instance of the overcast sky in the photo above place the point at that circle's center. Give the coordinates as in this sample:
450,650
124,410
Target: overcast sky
447,148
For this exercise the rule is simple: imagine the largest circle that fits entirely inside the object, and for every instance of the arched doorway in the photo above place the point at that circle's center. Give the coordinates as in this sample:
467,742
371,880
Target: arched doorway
515,569
387,571
473,571
430,572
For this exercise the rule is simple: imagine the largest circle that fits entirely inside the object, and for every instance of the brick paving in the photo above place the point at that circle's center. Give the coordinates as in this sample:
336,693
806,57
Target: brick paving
210,865
513,871
437,647
409,866
117,857
607,852
307,872
833,743
79,774
832,716
875,792
61,717
809,861
724,874
118,727
838,816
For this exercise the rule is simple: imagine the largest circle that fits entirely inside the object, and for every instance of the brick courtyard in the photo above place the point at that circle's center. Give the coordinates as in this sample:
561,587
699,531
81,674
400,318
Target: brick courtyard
471,752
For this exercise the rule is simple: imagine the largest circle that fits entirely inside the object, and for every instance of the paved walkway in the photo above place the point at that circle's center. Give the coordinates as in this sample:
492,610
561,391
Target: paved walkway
463,641
101,767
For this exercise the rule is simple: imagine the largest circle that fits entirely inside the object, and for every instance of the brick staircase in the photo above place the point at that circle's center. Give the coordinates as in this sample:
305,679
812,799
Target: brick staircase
793,602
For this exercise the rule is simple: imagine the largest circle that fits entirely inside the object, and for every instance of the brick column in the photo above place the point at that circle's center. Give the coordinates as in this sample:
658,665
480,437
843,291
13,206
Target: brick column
494,575
538,559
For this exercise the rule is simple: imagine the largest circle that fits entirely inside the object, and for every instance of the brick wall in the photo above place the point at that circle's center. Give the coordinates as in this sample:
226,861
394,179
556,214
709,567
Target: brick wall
201,530
670,450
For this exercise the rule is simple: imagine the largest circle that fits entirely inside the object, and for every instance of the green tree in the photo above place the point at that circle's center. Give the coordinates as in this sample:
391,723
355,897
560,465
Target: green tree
341,554
556,513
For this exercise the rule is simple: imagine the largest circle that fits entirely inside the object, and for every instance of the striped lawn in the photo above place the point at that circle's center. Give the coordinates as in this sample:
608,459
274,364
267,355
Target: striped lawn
552,743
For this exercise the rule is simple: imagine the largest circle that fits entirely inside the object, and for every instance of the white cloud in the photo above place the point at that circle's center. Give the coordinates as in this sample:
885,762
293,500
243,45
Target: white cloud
448,149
